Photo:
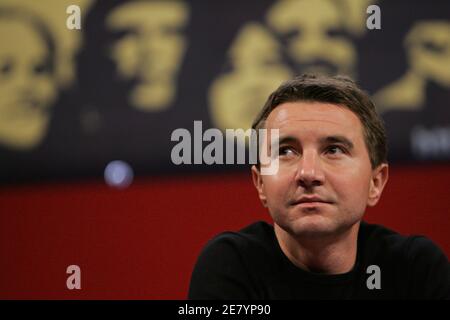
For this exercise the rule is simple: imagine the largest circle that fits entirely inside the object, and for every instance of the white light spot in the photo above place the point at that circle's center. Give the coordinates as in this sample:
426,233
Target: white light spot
118,174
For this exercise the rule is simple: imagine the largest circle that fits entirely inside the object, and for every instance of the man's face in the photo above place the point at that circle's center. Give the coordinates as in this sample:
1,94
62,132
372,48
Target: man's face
150,50
27,87
323,160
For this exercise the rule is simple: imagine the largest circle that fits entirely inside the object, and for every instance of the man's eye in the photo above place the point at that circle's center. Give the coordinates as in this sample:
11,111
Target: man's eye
286,151
335,150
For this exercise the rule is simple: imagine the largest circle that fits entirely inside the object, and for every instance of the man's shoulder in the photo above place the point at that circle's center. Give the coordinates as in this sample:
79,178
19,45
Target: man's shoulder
415,262
404,253
229,264
379,237
257,234
246,248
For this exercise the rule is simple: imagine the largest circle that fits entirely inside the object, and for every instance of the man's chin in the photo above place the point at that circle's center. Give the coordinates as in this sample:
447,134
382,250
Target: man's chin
315,225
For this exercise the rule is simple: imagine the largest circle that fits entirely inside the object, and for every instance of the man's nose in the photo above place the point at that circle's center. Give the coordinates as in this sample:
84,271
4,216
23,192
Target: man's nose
309,170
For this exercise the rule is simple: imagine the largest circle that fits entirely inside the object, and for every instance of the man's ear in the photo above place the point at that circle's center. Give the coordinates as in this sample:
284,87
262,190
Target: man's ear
258,182
380,177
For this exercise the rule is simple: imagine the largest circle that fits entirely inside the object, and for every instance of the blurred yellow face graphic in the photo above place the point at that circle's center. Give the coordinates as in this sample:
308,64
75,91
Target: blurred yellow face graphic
428,45
27,88
150,51
314,32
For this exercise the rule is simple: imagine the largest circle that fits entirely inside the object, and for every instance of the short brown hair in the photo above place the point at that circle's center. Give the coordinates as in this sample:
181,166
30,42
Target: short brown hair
339,90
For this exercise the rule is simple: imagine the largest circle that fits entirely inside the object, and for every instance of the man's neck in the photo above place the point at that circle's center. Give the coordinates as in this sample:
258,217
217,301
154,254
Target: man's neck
331,254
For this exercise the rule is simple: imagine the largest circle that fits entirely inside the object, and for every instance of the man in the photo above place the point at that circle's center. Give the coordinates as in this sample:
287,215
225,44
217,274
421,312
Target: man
332,165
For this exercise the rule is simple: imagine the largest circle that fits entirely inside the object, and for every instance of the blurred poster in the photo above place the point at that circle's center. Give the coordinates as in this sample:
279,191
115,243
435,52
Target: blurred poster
73,100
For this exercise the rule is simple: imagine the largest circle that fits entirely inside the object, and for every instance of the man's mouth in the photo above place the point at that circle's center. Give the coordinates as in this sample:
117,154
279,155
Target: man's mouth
310,201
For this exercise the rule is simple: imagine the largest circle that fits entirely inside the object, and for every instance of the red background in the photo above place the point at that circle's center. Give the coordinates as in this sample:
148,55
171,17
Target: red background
142,242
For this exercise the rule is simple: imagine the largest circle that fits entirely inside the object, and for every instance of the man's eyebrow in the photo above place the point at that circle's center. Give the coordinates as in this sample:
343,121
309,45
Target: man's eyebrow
326,140
284,140
338,139
287,139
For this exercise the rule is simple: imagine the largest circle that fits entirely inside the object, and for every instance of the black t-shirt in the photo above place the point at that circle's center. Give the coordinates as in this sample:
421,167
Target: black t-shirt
250,264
